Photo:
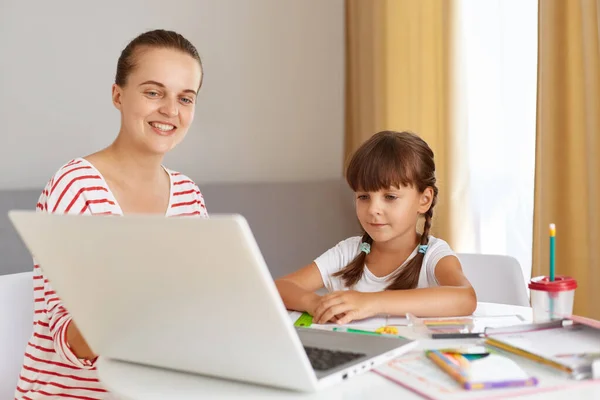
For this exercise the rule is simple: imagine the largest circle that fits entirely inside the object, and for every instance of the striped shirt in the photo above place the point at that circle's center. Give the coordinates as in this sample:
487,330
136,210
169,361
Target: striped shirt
50,368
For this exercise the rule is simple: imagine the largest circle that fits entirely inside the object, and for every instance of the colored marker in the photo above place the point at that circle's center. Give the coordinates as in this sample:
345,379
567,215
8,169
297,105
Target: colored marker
362,332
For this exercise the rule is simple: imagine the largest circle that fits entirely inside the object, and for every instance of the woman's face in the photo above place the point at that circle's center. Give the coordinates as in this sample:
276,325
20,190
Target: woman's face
158,100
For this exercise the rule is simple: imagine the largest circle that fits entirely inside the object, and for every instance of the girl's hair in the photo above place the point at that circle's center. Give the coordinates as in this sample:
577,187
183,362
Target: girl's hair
158,38
389,159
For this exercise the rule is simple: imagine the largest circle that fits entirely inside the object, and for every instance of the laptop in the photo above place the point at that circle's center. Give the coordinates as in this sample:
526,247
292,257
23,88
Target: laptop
189,294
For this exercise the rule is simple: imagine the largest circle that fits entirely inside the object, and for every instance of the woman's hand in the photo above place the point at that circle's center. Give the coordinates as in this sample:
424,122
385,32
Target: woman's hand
344,306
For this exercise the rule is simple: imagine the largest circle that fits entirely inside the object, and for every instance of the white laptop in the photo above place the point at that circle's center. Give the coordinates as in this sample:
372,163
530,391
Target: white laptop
189,294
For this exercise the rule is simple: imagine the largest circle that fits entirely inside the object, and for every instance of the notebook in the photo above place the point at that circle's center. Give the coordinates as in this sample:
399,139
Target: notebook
569,345
478,371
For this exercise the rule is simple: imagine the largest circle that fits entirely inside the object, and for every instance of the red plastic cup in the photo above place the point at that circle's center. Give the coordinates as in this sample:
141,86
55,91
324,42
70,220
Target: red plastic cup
552,300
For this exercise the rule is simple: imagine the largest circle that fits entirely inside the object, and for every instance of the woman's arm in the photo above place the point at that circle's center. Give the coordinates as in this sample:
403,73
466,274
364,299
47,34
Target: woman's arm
67,340
66,194
297,290
77,343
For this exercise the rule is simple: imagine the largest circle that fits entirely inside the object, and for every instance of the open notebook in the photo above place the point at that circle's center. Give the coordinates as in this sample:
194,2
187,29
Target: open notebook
570,345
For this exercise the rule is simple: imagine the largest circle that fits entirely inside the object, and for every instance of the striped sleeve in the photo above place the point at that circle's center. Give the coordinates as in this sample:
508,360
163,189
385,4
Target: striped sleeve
59,320
74,188
187,200
201,203
66,193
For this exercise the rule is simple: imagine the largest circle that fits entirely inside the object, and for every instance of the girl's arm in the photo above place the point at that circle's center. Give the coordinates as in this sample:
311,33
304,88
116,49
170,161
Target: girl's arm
455,296
297,290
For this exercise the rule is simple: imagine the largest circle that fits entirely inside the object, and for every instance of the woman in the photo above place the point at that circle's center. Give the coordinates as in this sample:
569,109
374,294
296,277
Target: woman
158,77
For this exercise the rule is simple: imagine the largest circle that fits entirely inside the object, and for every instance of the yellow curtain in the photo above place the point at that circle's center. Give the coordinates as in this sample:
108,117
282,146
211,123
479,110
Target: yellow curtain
399,69
567,188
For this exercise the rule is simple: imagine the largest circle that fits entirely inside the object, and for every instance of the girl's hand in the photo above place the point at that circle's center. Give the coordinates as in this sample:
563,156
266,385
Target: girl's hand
313,301
345,306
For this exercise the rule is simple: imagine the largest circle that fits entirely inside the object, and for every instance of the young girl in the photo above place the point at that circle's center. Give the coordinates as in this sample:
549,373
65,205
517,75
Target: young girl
158,76
391,269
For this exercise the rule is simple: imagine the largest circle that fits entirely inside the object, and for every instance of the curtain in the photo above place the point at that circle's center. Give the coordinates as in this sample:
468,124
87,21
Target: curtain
567,182
399,70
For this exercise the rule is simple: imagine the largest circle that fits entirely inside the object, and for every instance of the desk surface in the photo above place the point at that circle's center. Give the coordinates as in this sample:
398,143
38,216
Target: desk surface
139,382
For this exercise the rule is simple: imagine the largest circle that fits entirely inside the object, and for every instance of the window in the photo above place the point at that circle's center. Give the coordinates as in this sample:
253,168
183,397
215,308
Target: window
499,57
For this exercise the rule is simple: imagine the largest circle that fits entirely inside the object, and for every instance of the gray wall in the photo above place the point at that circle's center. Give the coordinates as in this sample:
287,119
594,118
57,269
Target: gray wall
292,222
268,136
14,257
271,108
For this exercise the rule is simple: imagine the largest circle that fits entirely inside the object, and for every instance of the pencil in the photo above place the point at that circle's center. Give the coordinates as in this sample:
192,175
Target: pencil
552,251
552,265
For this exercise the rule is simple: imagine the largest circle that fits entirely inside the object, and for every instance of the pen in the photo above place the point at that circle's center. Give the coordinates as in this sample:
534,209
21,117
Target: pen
350,330
456,335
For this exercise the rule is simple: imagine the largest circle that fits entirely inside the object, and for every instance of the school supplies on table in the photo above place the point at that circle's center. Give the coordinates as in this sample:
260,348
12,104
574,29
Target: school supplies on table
415,372
305,320
552,251
552,300
569,345
481,371
552,296
363,332
461,327
388,330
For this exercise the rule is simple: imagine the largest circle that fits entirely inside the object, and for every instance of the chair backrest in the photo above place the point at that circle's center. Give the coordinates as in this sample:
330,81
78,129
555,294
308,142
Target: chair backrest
495,278
16,326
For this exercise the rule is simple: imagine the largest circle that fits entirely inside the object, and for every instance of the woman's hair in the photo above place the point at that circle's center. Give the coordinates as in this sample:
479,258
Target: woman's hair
389,159
160,39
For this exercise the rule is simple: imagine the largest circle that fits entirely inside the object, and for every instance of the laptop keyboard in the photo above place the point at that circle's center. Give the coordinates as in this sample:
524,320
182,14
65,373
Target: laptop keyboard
324,359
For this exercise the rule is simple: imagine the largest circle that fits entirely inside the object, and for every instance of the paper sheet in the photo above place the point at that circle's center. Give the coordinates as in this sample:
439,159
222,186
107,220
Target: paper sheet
560,343
369,324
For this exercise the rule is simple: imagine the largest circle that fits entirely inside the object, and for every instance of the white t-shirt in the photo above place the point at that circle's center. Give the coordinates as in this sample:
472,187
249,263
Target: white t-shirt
345,251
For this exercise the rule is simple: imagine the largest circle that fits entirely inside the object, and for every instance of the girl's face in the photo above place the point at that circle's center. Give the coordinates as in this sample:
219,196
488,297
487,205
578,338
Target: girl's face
157,103
391,213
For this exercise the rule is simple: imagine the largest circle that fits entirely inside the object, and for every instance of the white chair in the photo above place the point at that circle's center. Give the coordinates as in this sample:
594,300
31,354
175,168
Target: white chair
16,326
495,278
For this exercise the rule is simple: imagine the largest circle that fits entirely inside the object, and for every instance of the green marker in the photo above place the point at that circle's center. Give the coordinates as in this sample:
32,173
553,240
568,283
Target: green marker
361,332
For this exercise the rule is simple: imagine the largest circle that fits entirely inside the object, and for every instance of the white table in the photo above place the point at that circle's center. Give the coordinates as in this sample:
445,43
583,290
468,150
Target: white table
138,382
